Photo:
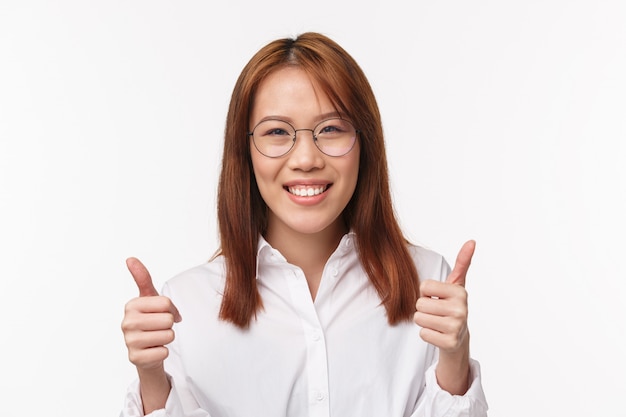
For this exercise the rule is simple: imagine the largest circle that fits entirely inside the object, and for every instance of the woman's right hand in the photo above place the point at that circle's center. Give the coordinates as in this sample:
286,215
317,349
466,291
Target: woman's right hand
148,321
147,326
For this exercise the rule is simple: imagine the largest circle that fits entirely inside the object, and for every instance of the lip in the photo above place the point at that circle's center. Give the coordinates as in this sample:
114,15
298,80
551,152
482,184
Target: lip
307,182
307,200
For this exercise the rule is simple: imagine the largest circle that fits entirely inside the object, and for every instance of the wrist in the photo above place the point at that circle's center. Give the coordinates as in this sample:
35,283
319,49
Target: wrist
453,370
155,388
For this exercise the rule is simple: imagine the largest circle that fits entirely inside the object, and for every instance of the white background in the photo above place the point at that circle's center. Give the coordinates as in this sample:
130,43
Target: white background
505,122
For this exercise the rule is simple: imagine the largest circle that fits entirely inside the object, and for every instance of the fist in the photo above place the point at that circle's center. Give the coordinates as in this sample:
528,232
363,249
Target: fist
148,321
442,306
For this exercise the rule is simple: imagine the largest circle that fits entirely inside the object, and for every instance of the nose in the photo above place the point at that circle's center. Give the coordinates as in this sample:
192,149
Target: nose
305,155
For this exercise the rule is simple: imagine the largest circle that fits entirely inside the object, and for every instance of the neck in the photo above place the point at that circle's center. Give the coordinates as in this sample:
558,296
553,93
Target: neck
309,251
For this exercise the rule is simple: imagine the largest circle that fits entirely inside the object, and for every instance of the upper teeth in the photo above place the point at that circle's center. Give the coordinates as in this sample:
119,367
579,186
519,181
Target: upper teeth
307,191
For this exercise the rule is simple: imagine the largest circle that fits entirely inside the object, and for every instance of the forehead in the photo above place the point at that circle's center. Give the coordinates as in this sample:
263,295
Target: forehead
290,92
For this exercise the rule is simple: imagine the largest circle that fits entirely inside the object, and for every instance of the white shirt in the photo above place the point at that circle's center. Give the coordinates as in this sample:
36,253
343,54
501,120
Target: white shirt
335,356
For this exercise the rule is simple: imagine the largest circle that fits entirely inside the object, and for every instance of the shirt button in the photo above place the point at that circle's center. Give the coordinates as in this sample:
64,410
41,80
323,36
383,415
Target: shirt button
348,242
319,396
316,336
335,272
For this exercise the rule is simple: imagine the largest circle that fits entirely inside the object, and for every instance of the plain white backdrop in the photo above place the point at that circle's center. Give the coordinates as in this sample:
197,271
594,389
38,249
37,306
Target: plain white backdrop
505,122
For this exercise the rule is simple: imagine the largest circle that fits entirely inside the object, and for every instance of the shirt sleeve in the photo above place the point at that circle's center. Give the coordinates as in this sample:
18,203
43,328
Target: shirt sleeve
437,402
174,407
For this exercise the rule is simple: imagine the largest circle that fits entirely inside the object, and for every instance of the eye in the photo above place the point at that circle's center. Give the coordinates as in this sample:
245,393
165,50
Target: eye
334,128
273,129
276,132
330,129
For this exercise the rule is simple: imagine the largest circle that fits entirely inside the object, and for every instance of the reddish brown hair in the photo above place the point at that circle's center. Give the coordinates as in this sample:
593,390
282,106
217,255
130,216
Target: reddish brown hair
242,213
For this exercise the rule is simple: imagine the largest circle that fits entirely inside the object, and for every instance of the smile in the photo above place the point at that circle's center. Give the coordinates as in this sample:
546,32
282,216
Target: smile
307,190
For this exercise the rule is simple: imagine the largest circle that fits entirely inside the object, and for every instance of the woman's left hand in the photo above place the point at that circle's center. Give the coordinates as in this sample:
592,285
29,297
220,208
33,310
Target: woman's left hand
442,315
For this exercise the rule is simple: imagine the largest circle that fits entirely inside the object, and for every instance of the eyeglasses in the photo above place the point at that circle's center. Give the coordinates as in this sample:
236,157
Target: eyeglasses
275,138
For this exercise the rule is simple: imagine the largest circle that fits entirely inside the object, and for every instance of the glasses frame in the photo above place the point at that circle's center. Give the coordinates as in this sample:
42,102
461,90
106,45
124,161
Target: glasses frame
295,135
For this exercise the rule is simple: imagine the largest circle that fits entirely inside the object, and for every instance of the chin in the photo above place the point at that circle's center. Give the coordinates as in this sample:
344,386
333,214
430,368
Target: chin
312,228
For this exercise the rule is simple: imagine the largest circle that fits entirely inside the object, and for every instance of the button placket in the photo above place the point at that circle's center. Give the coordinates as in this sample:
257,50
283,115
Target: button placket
317,360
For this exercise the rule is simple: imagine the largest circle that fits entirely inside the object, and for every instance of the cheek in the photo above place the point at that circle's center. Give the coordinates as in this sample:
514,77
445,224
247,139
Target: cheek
257,164
265,171
352,173
257,171
353,167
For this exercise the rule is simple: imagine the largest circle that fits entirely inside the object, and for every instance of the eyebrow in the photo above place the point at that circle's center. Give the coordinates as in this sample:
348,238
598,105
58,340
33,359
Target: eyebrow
319,118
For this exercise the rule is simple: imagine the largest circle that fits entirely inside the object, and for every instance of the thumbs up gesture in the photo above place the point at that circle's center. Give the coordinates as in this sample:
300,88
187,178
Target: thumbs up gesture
148,321
442,307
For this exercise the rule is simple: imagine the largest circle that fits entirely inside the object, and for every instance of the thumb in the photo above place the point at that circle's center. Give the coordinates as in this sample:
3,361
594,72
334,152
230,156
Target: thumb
463,261
142,277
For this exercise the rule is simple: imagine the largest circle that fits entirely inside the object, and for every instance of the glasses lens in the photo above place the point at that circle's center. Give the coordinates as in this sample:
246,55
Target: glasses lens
273,137
335,137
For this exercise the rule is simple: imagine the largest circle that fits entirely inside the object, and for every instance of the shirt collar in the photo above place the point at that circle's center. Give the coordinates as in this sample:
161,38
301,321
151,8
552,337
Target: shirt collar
266,253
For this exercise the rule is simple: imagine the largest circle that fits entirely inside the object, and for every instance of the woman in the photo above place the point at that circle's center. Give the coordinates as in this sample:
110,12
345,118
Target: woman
315,304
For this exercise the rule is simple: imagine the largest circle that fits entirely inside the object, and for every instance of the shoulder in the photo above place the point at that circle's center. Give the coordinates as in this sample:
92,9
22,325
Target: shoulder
430,264
199,280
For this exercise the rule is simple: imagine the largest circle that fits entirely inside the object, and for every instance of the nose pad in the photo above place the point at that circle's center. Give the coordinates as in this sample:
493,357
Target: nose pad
307,138
305,154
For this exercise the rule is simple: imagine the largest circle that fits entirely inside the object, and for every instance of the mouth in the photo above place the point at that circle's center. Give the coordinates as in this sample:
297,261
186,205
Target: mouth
307,190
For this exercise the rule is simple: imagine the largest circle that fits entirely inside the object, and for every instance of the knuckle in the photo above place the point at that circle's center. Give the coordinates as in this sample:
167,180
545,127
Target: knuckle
129,323
158,354
146,358
417,317
458,311
131,305
420,318
169,336
455,328
165,353
163,303
169,321
135,357
426,285
131,339
449,343
424,333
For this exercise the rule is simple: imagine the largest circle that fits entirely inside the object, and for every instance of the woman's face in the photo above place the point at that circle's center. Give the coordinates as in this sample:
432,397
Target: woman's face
305,190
